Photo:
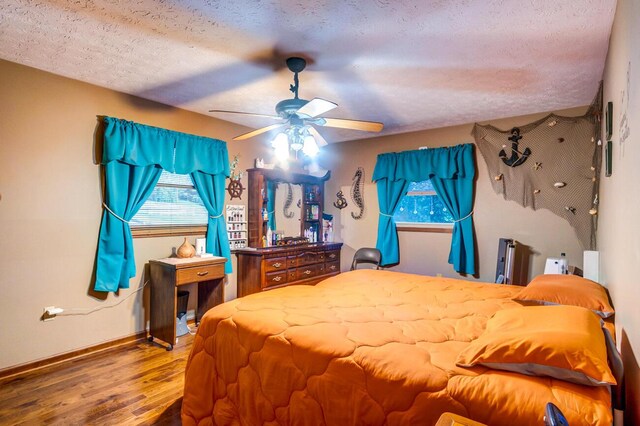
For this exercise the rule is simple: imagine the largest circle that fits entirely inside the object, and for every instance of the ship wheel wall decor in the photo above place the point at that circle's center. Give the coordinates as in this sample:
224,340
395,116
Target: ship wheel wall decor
235,188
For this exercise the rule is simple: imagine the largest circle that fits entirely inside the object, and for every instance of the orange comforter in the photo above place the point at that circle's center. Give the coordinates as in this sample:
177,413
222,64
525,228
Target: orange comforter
365,347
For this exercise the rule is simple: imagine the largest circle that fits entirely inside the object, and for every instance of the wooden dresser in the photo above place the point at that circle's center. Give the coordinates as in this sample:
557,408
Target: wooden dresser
266,268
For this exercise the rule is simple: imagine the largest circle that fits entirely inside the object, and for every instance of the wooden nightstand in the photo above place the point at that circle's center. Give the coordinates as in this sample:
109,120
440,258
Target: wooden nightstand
166,275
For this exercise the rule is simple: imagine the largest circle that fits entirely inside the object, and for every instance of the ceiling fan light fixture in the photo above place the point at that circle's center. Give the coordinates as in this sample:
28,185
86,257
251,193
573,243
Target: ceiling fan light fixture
310,147
297,145
281,146
280,139
296,138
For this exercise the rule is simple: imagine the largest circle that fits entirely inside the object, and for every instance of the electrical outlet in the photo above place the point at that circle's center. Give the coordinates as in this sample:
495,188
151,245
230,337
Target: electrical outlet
45,314
439,275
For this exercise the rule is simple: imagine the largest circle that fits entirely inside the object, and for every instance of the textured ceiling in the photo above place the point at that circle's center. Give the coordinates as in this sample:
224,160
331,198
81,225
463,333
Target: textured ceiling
412,65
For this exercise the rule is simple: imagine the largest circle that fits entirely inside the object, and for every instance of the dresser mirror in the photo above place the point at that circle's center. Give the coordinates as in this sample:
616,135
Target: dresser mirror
287,208
295,201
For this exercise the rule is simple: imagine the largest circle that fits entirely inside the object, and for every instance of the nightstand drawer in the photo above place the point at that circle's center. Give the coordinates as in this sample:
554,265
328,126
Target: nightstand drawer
198,273
275,264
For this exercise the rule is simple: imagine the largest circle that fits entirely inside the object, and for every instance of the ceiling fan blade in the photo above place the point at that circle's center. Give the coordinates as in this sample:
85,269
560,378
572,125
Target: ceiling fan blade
257,132
315,107
367,126
318,137
275,117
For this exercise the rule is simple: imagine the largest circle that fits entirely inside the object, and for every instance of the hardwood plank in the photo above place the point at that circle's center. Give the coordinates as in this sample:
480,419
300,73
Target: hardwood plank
137,383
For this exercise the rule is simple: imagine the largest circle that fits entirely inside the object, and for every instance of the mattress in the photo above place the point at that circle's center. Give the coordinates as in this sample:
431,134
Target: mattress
366,347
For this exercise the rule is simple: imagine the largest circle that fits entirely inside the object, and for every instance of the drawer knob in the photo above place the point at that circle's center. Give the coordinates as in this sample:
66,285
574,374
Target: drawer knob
277,265
333,267
307,272
332,256
203,273
278,278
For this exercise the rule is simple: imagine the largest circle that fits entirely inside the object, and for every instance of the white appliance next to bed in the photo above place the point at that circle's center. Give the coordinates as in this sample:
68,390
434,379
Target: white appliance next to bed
556,265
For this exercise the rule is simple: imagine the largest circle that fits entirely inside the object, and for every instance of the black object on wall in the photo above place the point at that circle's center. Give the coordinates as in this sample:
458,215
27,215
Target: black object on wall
608,162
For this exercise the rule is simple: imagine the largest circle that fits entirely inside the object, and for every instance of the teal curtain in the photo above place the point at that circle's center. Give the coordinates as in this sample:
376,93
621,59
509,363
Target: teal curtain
126,189
134,156
271,204
390,193
452,171
457,196
211,189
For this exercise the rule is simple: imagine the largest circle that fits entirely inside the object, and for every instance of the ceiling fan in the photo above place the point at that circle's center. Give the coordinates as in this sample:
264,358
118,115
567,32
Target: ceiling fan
298,116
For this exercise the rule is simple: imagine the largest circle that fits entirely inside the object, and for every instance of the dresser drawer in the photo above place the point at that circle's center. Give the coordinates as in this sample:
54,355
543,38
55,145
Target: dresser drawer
332,256
310,257
275,264
199,273
305,272
292,262
308,271
331,267
275,278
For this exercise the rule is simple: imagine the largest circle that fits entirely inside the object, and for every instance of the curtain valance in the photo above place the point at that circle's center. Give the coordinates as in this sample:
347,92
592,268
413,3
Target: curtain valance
422,164
141,145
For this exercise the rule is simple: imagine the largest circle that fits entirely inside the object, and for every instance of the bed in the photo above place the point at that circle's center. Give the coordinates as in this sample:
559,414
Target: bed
366,347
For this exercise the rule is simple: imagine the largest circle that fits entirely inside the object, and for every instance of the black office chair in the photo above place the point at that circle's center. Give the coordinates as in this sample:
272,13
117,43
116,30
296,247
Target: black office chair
366,255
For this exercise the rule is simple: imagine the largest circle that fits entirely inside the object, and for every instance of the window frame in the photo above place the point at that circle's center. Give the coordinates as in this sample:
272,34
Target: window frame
440,228
149,231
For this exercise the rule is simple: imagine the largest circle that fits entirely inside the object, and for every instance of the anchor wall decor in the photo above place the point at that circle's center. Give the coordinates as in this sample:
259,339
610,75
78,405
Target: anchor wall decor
514,160
341,202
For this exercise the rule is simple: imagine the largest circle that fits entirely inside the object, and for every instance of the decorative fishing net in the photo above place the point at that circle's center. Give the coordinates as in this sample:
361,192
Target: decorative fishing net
561,172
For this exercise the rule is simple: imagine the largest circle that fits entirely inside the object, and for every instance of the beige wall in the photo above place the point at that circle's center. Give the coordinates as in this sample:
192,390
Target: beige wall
427,253
50,210
619,229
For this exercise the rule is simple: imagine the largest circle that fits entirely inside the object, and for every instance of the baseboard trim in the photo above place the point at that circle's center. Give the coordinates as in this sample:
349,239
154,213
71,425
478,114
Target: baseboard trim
56,359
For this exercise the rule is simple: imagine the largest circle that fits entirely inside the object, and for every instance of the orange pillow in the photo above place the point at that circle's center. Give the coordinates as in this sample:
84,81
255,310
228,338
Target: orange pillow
563,342
553,289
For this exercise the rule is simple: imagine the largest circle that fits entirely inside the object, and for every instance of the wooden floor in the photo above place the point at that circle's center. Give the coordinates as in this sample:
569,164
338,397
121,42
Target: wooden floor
134,384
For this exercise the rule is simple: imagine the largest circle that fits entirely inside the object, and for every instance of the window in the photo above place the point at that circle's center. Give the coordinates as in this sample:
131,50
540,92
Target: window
173,208
422,210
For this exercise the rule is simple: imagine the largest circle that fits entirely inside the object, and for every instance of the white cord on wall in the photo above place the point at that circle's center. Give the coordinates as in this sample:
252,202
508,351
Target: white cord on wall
87,311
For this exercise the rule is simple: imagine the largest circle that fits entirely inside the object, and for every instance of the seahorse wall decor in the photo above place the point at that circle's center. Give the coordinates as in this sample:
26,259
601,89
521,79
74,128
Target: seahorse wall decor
287,203
357,193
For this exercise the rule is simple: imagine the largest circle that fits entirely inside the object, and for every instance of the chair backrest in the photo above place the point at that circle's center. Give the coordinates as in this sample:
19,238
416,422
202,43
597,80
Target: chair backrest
366,255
